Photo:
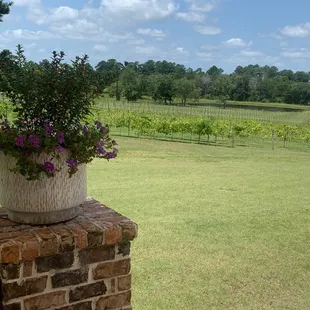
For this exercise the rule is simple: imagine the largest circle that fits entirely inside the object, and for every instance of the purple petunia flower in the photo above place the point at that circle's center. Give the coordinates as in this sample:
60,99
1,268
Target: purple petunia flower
34,140
48,129
60,148
49,167
72,162
110,155
60,136
19,141
100,150
100,126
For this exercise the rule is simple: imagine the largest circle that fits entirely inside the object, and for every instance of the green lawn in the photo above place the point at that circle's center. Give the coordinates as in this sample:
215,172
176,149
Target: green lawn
219,228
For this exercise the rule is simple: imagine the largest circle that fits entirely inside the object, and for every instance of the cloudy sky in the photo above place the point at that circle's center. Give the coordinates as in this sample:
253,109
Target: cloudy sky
196,33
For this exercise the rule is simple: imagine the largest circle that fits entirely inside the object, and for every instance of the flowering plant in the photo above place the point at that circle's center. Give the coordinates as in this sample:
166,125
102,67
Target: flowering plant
51,109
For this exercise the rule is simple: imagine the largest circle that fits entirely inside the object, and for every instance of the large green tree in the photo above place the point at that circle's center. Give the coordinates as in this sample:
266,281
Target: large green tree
186,89
130,84
4,8
162,88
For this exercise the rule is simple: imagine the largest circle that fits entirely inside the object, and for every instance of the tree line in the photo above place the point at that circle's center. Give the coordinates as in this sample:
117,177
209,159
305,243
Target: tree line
165,81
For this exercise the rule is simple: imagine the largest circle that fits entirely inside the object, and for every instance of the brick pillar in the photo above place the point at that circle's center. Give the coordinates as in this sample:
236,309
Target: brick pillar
83,264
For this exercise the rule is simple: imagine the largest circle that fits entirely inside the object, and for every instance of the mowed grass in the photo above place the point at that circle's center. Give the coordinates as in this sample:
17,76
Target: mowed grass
219,228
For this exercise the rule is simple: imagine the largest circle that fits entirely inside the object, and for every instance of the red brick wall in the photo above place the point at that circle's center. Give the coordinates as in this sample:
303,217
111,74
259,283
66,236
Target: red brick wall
83,264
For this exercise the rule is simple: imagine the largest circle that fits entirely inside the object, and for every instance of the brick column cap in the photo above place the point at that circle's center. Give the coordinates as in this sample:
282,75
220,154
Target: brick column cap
96,225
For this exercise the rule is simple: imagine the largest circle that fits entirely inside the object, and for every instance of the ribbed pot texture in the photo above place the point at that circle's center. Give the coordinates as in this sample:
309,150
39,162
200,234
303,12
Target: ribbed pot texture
46,201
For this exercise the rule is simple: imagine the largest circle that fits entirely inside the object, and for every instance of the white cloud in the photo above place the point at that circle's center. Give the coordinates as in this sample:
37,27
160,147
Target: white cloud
100,47
59,15
248,53
23,34
82,29
299,31
208,30
296,53
139,9
236,42
26,2
191,17
202,5
151,32
63,13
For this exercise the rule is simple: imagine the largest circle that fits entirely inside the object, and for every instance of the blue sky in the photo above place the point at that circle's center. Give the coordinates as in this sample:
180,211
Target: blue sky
196,33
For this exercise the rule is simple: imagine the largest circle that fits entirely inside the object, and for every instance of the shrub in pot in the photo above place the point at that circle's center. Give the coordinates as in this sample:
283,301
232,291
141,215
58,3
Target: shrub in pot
45,146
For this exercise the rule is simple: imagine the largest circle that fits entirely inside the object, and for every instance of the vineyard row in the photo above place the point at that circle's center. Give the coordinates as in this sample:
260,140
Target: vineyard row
151,123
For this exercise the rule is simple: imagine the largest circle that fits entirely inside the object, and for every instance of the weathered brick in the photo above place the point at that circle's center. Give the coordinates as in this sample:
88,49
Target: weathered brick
114,302
27,287
80,306
27,272
71,277
124,249
95,255
11,235
87,291
46,301
30,250
129,230
124,283
29,245
80,235
112,269
9,251
59,261
14,306
94,233
48,241
66,237
10,271
113,235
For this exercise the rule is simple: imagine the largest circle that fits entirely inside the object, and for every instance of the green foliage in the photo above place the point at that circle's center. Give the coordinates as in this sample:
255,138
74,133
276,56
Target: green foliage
156,123
162,88
51,103
4,8
249,83
58,92
186,89
130,83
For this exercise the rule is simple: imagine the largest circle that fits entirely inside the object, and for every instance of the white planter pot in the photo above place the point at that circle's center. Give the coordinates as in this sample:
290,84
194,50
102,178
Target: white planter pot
50,200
